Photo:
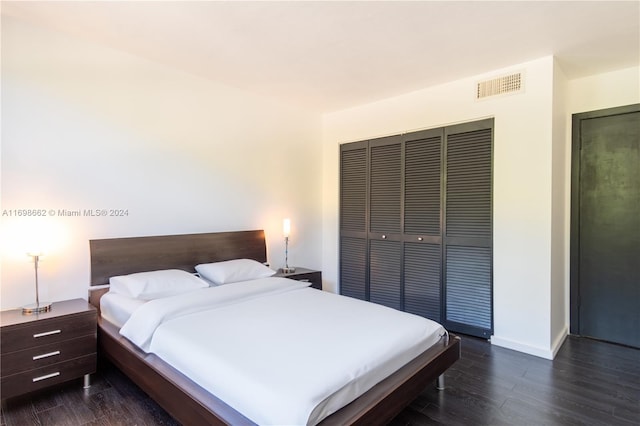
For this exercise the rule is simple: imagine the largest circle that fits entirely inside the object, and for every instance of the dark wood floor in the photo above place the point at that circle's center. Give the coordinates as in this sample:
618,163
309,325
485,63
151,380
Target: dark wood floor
589,382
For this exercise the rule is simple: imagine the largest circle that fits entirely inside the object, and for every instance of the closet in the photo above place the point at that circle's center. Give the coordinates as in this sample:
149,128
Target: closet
416,224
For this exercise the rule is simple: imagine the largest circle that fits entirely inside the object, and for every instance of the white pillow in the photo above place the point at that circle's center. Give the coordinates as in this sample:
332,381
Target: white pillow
155,284
232,271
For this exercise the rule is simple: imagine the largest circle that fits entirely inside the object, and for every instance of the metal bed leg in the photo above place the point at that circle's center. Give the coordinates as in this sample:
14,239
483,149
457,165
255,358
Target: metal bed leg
440,382
87,381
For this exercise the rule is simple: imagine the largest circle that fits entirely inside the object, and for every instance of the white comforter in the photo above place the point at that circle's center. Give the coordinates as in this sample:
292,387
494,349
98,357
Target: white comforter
276,351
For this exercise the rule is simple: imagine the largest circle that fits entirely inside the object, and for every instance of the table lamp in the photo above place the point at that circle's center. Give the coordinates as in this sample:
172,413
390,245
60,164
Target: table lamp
286,230
38,307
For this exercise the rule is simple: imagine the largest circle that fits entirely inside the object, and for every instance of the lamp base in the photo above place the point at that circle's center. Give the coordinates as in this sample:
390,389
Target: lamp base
36,308
288,270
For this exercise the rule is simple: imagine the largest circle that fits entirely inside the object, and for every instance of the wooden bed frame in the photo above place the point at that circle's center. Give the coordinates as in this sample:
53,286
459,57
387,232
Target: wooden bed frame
186,401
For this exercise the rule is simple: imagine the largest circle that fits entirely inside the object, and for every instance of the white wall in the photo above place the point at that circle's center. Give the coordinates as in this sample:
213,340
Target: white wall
560,194
607,90
88,127
522,211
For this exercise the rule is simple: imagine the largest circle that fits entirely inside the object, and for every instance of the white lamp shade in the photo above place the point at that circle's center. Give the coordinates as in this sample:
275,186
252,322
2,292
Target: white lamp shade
286,227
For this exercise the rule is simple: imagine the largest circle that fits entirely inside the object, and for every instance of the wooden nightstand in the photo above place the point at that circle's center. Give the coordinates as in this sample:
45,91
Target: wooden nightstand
48,348
304,274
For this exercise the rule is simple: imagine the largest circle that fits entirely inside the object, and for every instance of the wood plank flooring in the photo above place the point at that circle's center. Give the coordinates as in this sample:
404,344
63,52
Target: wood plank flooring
589,382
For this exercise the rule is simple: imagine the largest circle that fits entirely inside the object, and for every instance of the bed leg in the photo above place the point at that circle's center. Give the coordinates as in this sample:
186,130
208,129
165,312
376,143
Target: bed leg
440,382
87,381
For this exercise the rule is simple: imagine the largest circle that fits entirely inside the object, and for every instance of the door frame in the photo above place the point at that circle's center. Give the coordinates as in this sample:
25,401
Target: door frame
574,258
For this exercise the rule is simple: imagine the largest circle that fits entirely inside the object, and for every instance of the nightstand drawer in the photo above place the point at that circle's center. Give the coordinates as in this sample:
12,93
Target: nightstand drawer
42,356
38,333
315,278
303,274
39,378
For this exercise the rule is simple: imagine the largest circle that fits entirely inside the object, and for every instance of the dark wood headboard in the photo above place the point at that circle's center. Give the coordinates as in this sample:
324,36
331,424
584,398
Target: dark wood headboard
119,256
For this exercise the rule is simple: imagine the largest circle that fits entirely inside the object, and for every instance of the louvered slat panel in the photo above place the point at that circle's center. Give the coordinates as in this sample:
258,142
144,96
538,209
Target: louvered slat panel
353,264
422,280
353,189
468,209
422,186
384,273
468,297
385,188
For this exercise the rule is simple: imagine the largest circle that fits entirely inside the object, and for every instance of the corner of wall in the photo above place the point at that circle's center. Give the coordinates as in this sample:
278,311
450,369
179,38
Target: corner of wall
560,206
542,352
557,342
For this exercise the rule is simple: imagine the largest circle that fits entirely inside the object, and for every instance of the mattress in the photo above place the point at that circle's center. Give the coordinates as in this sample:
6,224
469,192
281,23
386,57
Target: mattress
277,351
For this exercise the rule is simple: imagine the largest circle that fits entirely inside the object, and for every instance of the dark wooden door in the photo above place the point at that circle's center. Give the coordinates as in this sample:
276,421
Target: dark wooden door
354,197
468,229
422,223
606,249
385,213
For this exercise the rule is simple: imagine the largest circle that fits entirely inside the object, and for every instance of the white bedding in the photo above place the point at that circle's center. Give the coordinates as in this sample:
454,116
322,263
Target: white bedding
276,351
117,308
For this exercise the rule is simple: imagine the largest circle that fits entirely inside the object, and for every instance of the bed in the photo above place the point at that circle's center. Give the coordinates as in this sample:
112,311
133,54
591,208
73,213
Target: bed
190,402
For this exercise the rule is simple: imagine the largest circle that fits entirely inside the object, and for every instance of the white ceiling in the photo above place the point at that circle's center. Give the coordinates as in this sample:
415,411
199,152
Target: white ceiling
331,55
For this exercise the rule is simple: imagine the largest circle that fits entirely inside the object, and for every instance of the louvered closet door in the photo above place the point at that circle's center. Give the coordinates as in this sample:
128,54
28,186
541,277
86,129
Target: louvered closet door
422,237
468,228
416,224
385,207
353,219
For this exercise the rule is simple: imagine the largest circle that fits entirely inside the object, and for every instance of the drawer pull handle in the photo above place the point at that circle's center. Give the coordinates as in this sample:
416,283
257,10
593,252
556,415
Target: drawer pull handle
37,357
420,238
47,333
46,376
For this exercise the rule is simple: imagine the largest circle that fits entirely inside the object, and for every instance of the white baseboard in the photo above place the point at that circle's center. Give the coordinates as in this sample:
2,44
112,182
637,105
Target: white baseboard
559,340
546,353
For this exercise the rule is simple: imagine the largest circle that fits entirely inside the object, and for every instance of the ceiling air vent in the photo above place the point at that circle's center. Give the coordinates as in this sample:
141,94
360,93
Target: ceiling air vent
499,86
